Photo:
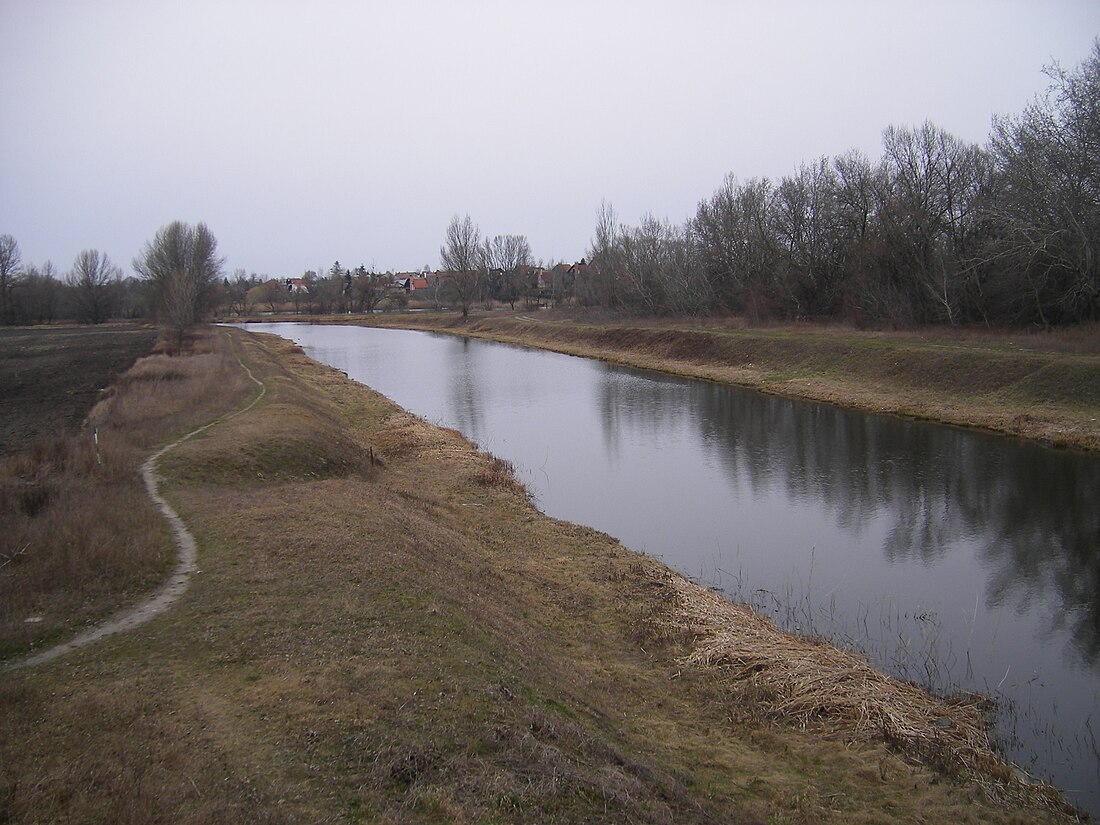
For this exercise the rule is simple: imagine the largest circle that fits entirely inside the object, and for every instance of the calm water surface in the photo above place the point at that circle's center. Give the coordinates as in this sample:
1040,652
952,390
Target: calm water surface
953,558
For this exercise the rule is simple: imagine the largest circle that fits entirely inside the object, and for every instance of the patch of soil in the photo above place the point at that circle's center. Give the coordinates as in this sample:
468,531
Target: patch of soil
51,376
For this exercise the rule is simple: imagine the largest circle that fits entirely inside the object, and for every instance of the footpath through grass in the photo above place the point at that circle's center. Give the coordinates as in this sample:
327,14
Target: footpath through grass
1044,387
384,629
79,536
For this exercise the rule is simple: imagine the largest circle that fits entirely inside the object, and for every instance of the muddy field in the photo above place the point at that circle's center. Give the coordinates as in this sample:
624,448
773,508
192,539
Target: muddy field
51,376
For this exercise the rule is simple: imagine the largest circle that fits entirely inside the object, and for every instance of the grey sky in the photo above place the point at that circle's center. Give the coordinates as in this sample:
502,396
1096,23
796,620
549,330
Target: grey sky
304,132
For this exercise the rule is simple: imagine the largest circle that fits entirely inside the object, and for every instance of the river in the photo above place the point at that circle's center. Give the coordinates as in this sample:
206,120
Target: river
952,558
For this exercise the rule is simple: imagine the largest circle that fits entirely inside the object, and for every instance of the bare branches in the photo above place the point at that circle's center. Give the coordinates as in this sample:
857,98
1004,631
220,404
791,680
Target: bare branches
10,260
1047,203
92,280
938,230
182,263
461,257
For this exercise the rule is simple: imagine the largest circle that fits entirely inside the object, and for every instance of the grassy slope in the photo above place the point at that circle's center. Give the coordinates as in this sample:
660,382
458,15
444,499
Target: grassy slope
1038,387
412,641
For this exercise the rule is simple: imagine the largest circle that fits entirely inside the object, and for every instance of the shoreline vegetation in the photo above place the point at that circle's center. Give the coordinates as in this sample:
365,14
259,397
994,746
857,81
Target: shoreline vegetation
383,628
1043,387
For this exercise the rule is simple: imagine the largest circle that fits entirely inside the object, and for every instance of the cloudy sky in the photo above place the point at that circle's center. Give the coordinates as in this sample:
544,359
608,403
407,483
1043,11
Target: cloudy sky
306,132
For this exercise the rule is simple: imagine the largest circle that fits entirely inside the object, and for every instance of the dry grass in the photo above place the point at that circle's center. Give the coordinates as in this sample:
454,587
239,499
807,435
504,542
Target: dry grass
398,642
84,537
496,472
786,677
162,395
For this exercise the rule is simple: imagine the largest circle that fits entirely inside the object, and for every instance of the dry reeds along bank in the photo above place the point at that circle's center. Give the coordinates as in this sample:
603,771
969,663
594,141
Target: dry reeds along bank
78,534
779,675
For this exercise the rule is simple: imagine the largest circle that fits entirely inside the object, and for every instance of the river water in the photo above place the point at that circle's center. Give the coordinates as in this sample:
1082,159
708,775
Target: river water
956,559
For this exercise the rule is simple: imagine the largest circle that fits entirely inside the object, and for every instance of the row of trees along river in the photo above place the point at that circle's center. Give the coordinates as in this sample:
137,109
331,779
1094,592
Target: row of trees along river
937,230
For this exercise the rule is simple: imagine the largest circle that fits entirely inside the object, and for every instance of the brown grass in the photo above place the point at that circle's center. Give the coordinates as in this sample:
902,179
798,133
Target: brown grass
162,395
496,472
397,642
817,686
84,537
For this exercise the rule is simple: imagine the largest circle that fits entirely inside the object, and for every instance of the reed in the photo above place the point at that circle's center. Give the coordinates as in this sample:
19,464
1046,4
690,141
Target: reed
782,676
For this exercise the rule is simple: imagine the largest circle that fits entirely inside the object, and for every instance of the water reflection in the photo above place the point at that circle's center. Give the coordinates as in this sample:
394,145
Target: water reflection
950,557
1032,512
462,372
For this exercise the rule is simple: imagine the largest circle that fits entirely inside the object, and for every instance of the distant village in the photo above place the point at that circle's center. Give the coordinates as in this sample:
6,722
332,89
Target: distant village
533,279
347,290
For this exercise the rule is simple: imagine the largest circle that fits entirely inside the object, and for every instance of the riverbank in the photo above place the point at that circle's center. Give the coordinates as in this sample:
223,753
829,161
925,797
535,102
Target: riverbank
1043,387
384,628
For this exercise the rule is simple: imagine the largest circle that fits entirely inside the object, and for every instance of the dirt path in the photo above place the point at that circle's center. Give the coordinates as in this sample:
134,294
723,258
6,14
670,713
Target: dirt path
177,583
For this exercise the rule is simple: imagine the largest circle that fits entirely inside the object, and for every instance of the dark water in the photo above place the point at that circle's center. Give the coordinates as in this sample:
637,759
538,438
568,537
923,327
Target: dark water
952,558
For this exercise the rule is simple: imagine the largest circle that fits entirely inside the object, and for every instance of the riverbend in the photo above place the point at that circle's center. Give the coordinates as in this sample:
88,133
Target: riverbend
915,544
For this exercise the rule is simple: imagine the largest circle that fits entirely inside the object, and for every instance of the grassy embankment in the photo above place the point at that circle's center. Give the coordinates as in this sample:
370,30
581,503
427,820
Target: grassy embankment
385,629
1044,387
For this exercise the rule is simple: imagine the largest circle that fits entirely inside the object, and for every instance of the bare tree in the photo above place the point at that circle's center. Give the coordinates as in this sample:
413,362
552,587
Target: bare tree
366,290
182,264
738,245
134,298
235,293
807,225
298,294
856,203
273,293
92,281
330,293
338,288
42,292
461,256
1046,207
506,257
10,260
601,287
933,183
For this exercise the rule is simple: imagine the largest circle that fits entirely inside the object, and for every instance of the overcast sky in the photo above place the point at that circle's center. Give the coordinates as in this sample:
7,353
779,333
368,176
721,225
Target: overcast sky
306,132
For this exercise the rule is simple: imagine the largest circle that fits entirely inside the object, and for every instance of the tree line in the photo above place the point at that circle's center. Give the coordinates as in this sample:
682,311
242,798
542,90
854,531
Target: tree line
92,291
177,285
341,290
493,269
937,230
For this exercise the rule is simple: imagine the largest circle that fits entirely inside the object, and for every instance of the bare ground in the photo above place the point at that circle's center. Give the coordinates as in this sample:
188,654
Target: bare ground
52,376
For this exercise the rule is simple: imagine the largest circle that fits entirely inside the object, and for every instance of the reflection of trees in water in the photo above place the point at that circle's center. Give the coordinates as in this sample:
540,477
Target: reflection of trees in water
465,386
1032,512
1047,539
658,407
